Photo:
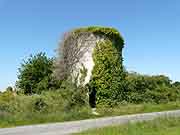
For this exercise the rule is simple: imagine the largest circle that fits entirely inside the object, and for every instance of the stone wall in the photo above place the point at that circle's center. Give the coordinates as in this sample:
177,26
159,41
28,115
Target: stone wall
88,45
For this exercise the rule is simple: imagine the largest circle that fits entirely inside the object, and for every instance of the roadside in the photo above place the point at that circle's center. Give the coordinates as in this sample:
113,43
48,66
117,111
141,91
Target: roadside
158,126
30,118
78,126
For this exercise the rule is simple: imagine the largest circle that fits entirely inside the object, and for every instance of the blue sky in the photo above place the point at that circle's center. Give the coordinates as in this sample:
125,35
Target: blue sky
151,29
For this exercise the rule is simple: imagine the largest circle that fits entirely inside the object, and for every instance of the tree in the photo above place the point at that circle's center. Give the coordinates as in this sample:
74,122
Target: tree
35,74
9,89
176,84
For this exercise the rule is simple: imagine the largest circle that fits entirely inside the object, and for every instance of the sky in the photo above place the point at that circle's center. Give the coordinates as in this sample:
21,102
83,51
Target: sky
150,28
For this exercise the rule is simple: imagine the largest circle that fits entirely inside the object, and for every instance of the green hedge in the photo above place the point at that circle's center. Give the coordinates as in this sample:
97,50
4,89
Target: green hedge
154,89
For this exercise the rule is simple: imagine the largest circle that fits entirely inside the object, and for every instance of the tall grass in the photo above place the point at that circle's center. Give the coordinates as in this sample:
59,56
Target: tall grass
47,107
56,106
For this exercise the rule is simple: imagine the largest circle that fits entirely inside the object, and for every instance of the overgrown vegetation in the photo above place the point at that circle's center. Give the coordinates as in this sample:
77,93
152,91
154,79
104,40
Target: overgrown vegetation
110,33
107,75
35,75
153,89
46,91
58,106
49,106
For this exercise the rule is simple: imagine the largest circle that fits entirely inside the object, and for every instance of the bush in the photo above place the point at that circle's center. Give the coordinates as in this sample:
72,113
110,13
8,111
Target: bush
9,89
35,75
176,85
49,106
74,95
155,89
6,101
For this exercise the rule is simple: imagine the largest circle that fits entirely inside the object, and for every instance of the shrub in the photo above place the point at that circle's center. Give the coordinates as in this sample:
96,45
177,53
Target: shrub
9,89
74,95
155,89
6,101
35,74
176,85
65,99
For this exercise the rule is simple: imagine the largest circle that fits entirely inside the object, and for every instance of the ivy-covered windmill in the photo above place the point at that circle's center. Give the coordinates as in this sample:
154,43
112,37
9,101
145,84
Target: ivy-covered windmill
95,54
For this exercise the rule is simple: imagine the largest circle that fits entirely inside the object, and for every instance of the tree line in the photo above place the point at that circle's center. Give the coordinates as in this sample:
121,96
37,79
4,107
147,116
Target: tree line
36,75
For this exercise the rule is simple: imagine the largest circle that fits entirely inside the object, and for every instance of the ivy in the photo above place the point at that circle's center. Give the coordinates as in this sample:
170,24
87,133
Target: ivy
107,74
111,33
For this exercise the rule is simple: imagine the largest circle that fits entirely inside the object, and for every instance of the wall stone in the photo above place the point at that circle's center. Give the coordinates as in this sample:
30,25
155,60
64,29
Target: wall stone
87,44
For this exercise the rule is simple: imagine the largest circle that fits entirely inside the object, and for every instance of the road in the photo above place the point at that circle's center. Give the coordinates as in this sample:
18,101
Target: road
66,128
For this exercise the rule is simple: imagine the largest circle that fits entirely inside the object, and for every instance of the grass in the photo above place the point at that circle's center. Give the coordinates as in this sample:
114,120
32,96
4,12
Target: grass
19,119
54,107
35,117
125,109
163,126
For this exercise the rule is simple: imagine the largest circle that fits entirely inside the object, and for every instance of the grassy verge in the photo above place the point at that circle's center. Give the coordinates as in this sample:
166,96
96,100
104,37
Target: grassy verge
137,108
35,117
165,126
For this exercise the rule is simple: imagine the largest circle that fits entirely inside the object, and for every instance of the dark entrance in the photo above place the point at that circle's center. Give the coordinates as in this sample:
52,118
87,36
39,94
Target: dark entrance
92,97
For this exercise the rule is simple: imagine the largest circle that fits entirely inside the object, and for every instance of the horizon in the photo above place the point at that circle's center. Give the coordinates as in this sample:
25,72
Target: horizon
149,28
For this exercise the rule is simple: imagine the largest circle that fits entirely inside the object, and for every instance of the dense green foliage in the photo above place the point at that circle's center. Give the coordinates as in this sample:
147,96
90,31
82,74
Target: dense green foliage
107,75
56,106
163,126
64,99
9,88
35,74
110,33
109,80
177,85
49,106
155,89
107,57
40,98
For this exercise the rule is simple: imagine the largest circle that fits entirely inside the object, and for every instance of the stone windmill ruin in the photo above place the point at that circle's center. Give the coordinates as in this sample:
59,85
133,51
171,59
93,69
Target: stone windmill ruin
91,53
